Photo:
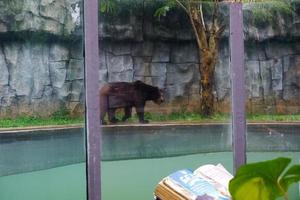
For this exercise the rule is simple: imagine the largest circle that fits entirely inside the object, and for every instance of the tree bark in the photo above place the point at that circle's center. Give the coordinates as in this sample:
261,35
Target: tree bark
207,42
206,69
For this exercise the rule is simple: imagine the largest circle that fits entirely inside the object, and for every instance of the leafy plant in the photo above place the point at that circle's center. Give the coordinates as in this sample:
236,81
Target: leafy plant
107,6
266,12
62,113
266,180
26,121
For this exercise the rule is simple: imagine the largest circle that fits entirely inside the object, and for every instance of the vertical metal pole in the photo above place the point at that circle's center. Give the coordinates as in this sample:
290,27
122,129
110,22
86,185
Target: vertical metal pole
93,141
238,85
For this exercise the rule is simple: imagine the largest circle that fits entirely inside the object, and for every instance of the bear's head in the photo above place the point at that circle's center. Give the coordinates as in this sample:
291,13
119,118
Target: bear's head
159,97
150,92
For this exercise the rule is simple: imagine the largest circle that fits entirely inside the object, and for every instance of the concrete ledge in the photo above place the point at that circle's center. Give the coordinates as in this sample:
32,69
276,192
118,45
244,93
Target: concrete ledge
37,148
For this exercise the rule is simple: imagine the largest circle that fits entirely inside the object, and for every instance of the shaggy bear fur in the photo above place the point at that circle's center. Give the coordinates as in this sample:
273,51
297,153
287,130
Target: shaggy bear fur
127,95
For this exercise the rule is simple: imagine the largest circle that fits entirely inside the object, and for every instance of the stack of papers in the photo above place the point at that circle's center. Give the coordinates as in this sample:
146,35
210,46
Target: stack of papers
208,182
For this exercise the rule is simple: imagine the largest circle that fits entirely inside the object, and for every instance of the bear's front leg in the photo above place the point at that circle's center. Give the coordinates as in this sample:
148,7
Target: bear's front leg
127,113
140,113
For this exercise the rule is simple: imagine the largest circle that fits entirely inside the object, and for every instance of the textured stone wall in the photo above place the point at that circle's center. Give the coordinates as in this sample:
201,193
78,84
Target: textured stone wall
273,78
55,17
39,79
163,53
41,60
272,73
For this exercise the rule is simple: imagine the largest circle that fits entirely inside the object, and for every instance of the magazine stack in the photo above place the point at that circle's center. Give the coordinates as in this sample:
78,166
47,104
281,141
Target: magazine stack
208,182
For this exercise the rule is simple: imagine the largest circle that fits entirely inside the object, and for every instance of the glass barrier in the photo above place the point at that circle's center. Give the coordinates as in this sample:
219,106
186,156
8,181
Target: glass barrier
42,100
158,114
272,84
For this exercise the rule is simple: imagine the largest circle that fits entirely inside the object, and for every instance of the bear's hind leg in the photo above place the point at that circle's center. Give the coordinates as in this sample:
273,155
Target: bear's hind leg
127,113
140,113
111,116
103,109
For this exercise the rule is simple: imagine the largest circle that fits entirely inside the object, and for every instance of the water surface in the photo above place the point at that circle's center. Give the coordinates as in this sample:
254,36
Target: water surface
126,179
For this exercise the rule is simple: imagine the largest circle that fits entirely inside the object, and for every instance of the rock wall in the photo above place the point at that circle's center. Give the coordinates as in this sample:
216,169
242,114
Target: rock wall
41,60
272,73
42,71
273,78
60,18
163,53
39,79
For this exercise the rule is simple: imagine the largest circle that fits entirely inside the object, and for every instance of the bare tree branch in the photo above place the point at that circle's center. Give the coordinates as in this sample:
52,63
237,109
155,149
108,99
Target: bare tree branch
182,6
190,14
201,16
220,31
215,15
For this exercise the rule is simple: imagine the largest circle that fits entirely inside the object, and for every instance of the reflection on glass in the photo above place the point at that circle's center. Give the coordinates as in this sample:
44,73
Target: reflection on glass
146,58
41,93
272,73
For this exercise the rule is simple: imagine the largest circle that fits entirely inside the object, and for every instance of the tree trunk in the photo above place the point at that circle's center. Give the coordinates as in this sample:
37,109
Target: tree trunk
206,69
207,41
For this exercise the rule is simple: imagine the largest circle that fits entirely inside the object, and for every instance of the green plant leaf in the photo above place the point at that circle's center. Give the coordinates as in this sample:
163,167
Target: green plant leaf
163,10
267,11
108,6
260,192
291,176
259,181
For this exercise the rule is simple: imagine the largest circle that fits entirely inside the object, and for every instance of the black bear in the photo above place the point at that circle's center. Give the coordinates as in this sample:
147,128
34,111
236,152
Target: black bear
127,95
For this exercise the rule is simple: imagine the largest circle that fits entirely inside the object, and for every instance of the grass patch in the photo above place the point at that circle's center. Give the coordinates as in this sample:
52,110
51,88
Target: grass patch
273,118
178,117
33,121
186,117
195,117
63,118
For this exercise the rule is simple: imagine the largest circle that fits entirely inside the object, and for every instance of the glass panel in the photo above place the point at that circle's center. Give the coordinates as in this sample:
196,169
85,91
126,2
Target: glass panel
142,58
42,94
272,73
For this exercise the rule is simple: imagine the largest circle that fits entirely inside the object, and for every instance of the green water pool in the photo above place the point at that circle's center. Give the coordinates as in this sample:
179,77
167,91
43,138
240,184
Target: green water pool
127,179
